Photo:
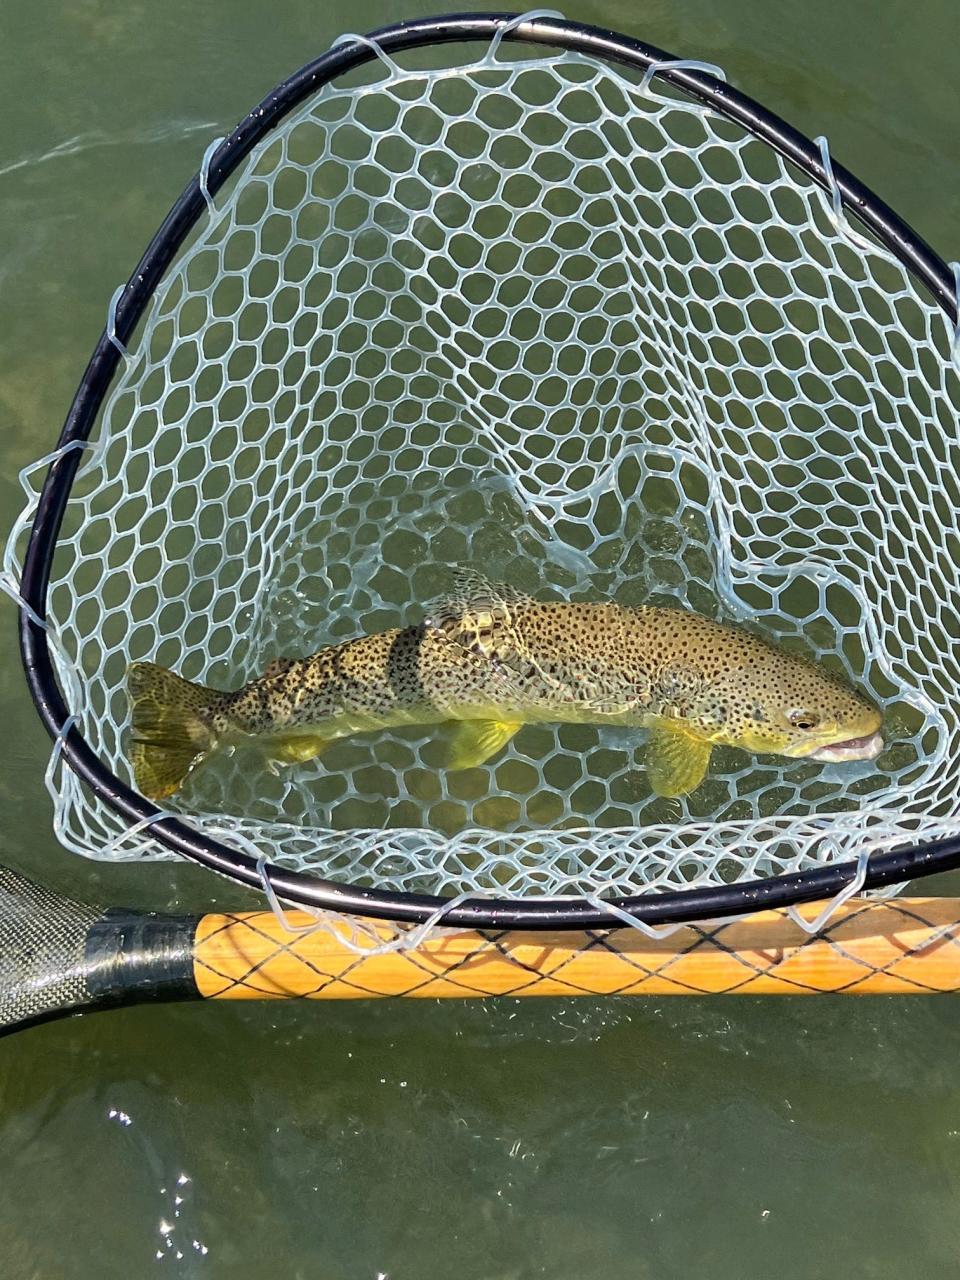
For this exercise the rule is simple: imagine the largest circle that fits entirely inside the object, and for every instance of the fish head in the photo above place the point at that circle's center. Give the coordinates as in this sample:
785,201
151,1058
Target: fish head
781,704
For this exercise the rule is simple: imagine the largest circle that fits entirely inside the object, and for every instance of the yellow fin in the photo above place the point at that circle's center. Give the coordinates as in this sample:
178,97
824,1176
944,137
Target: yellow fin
296,748
475,741
676,759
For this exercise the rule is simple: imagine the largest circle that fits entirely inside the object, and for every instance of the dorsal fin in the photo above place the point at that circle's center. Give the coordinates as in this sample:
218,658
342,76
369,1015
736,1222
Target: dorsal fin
479,620
480,616
472,592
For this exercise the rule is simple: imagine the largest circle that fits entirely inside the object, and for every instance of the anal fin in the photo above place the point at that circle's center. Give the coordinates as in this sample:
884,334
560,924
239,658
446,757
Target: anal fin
296,748
676,759
475,741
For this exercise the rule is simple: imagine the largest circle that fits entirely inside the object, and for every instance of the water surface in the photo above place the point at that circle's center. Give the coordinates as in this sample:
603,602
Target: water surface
566,1139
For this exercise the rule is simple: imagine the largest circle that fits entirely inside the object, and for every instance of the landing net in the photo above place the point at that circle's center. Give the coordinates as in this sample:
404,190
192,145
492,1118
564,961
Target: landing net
550,318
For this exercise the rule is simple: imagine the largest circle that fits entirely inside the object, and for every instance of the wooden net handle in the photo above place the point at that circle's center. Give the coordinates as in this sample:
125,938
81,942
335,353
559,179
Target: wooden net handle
900,946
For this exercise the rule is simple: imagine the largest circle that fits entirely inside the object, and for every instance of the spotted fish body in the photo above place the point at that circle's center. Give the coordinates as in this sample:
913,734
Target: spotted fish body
494,660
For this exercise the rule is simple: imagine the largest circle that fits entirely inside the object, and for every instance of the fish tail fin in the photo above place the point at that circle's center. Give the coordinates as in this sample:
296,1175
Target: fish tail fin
172,727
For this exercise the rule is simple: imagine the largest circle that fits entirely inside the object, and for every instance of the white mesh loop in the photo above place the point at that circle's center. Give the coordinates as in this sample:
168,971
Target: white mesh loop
59,789
656,933
363,937
678,64
530,16
10,586
276,906
204,174
955,344
48,459
849,891
838,213
57,749
394,70
135,829
112,324
12,567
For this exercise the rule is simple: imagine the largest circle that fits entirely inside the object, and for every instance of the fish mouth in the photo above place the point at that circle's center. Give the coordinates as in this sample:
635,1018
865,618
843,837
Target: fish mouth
867,747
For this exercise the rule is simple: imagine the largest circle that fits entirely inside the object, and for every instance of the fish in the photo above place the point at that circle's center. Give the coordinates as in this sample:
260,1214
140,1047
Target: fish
490,660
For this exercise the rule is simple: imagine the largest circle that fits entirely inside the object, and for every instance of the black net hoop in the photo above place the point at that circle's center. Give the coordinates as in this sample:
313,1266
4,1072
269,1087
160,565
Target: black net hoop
889,866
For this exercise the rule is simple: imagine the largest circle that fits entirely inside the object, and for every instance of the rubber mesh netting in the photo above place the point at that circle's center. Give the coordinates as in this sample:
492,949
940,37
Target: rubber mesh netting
535,317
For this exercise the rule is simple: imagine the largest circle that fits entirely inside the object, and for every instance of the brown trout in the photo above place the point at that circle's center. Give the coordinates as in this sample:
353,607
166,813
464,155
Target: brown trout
493,660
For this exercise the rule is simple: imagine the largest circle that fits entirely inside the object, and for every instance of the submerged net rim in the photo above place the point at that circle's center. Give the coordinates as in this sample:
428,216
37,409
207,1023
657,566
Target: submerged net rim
681,905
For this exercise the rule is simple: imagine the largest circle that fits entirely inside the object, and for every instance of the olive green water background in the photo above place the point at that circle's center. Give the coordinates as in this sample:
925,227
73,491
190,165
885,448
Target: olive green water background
498,1141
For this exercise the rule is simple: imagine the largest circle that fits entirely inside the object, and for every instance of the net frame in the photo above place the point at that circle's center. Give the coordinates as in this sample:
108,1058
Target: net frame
849,197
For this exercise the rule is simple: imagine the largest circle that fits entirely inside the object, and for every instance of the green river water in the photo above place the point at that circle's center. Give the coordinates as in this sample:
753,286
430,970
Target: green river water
737,1140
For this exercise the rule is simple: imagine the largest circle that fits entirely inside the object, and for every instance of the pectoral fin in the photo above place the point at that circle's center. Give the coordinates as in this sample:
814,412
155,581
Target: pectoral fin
676,759
475,741
296,748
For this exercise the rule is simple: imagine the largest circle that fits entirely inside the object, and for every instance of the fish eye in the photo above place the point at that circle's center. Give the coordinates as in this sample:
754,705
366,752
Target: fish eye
802,720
